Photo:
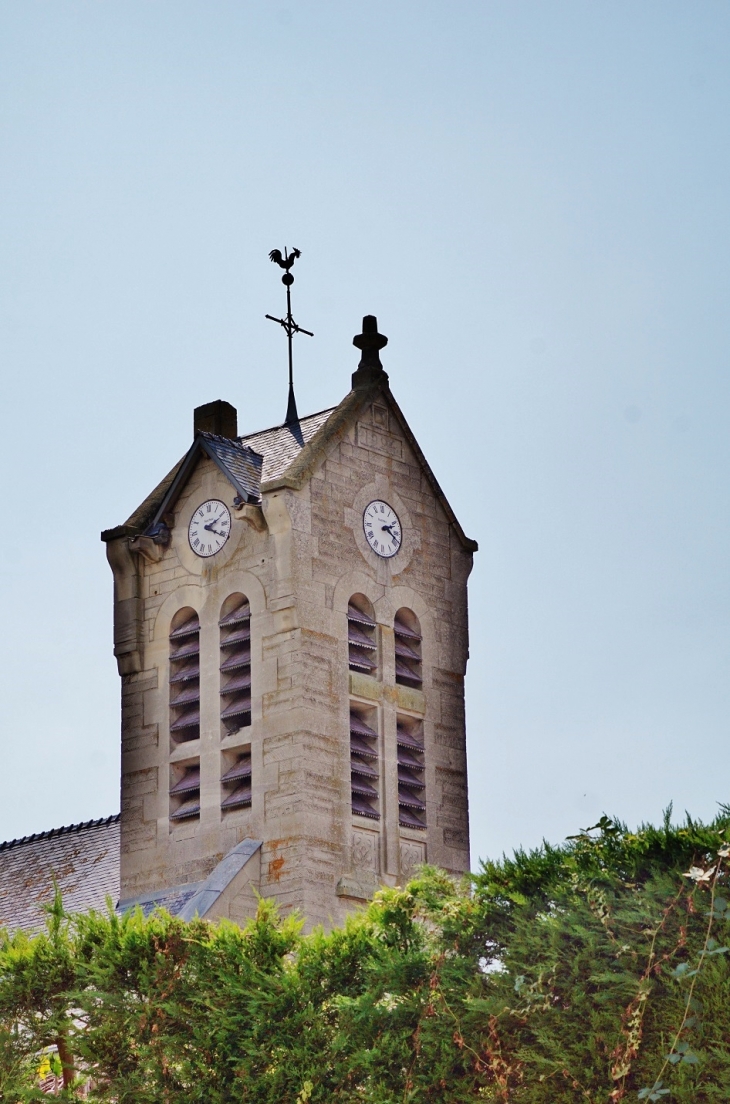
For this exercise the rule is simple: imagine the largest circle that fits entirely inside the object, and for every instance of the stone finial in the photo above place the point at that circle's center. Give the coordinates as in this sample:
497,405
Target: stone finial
370,342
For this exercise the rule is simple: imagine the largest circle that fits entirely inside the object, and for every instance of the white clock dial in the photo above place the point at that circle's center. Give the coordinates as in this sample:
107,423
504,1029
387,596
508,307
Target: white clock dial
210,527
382,528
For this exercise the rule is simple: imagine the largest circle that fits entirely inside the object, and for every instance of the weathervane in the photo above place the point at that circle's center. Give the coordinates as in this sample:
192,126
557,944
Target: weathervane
288,323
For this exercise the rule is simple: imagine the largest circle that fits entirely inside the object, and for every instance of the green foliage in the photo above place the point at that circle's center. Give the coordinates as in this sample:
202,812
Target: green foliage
593,972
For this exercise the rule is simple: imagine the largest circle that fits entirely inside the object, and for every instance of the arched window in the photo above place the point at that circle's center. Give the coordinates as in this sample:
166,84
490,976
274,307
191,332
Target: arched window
185,790
362,648
361,637
408,670
236,779
235,666
364,758
411,782
185,676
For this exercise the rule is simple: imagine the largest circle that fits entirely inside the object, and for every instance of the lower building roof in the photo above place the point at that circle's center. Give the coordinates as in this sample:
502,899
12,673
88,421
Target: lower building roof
81,859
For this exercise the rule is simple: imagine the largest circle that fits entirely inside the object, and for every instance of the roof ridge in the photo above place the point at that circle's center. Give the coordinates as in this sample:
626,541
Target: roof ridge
238,441
284,425
51,832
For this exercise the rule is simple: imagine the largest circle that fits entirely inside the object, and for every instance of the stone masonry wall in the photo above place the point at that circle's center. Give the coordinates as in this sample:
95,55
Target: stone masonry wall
298,576
428,576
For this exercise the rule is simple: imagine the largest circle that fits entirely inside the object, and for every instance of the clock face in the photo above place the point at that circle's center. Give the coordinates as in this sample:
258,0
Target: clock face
382,528
210,527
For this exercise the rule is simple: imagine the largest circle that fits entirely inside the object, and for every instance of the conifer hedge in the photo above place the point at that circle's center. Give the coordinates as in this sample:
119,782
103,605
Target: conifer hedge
589,973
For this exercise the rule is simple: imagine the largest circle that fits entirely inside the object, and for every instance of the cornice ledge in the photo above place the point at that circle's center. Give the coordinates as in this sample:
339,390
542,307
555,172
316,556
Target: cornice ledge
119,531
284,482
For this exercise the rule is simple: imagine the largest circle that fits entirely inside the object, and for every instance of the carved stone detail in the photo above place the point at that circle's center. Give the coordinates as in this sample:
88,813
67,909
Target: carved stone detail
150,551
252,514
365,851
377,441
412,854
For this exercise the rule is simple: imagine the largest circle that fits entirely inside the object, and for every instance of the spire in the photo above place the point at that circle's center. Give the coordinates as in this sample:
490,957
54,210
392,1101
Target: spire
291,405
288,323
370,342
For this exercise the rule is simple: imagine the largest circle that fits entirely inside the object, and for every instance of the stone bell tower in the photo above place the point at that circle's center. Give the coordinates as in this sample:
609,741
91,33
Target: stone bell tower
290,627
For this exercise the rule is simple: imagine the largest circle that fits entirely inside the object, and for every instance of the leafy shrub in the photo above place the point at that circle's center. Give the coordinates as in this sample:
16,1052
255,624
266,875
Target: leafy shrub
591,972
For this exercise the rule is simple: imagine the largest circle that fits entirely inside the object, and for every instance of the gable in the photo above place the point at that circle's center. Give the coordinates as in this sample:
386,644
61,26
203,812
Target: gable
371,434
286,456
239,464
247,462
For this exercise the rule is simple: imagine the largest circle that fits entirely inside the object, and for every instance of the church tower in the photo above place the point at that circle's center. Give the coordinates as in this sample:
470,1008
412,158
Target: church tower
290,627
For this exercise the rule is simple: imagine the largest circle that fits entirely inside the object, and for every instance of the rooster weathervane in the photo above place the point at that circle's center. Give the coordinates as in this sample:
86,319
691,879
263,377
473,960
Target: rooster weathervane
290,327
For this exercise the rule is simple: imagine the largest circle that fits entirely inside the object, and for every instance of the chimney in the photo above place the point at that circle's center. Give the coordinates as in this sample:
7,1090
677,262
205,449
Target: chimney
217,417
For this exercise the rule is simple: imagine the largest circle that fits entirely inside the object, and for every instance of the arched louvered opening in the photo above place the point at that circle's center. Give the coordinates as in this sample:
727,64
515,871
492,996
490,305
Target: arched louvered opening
185,790
235,645
411,779
364,756
185,676
361,636
236,779
408,671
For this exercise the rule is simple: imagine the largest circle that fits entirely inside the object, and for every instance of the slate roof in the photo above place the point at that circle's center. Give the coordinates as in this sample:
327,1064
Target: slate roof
173,899
280,445
239,463
197,898
83,859
242,462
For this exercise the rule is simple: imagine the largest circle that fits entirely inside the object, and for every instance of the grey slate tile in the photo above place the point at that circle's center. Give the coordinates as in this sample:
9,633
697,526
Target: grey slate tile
281,445
83,859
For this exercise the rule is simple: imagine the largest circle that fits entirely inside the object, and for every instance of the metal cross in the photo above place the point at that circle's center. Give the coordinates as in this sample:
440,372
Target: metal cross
288,323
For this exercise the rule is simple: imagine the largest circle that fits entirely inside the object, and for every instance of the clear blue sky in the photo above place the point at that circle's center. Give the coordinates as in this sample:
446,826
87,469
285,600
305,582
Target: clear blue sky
533,198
